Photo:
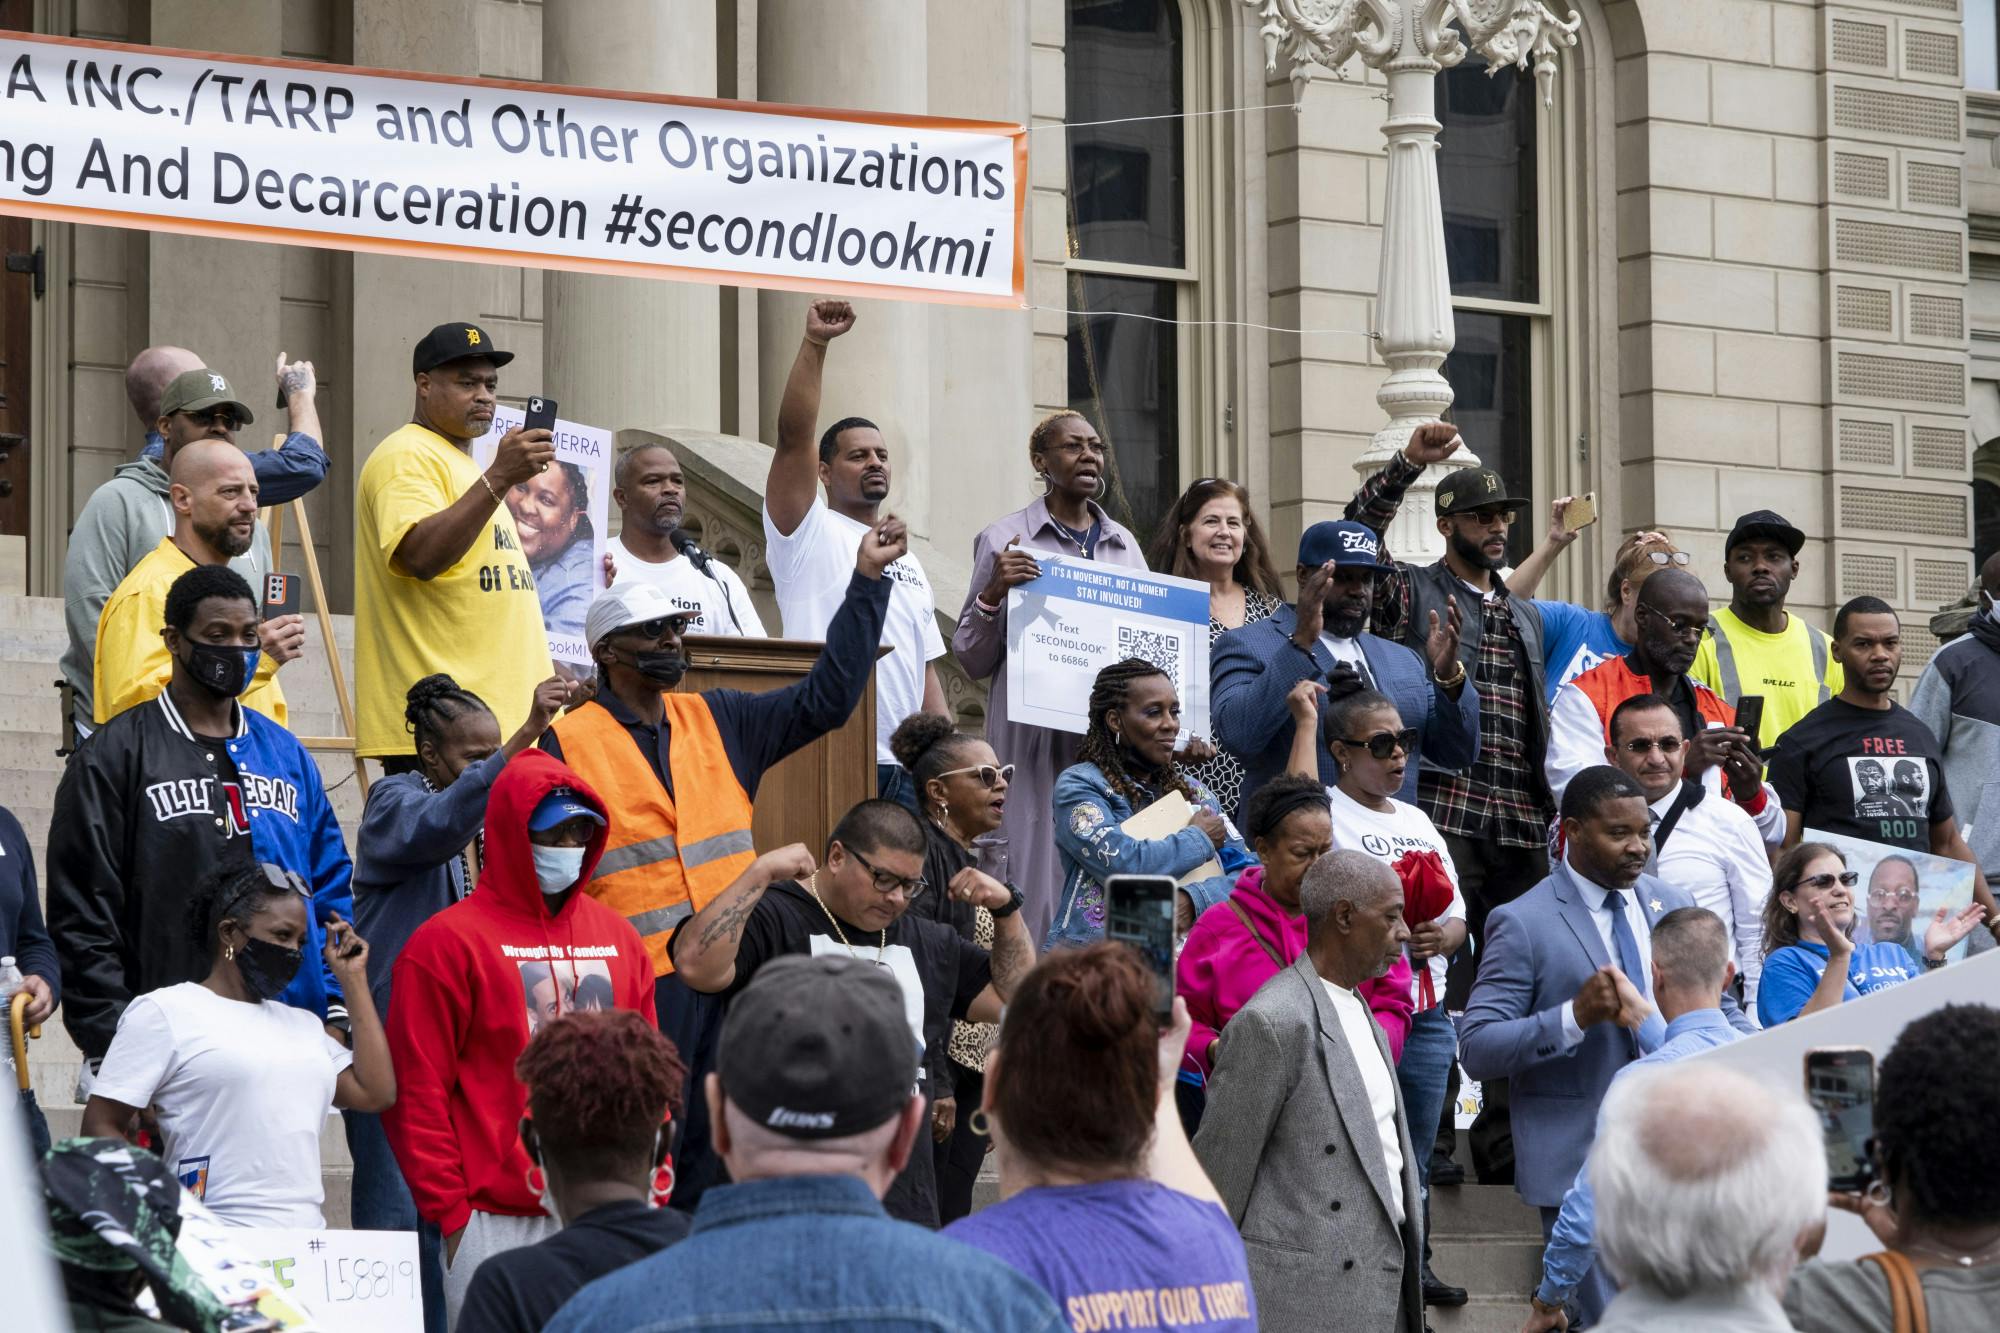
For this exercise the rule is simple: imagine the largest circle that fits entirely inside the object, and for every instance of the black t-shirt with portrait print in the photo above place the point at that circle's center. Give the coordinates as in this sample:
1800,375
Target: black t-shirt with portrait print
1863,772
939,971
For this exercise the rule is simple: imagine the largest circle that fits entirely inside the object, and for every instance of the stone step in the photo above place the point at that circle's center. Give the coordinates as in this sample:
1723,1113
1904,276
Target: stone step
1488,1265
1480,1314
1492,1210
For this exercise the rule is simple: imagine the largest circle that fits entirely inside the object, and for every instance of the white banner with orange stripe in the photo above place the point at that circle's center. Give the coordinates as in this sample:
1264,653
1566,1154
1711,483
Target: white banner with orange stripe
492,171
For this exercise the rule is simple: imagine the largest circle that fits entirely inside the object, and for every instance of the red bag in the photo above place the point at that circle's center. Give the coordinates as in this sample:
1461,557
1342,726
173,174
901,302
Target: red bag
1427,894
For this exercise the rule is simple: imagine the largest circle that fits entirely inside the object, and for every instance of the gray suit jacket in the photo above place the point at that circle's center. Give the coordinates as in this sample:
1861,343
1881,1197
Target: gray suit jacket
1290,1142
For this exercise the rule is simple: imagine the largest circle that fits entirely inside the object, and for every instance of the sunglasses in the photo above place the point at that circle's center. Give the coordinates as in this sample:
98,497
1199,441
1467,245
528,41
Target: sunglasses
1487,516
1668,557
654,628
989,776
1385,743
1683,629
222,416
1642,744
886,882
1848,878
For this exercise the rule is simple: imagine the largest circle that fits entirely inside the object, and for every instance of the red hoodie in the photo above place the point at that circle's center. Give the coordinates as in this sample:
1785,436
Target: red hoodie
464,985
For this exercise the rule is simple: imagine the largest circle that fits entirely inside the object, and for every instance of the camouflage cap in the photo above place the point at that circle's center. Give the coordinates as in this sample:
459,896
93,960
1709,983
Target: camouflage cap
200,390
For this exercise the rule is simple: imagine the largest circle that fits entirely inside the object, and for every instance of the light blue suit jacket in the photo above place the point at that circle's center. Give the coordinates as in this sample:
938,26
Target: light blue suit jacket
1252,669
1540,949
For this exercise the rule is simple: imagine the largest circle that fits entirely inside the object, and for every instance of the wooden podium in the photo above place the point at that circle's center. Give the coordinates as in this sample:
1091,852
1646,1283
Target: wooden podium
803,796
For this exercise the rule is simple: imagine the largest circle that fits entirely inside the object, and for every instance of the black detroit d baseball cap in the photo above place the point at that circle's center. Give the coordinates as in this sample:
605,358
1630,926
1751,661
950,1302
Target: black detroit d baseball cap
1474,488
818,1048
455,342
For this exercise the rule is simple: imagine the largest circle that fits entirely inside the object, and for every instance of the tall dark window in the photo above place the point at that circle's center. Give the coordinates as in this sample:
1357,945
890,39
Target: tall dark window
1127,239
1489,179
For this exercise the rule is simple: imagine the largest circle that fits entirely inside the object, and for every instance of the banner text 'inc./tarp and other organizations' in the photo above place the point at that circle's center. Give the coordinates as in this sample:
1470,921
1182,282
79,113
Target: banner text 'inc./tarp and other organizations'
301,153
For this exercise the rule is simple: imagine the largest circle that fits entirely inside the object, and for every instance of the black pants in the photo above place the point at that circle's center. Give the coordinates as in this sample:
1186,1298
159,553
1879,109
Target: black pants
693,1022
960,1156
1490,876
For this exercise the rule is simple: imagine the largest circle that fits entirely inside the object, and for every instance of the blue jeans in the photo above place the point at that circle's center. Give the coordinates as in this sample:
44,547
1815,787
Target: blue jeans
894,783
1424,1072
382,1202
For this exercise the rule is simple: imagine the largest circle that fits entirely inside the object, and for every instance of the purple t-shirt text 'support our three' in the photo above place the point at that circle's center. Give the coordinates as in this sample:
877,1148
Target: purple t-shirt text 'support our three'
1132,1254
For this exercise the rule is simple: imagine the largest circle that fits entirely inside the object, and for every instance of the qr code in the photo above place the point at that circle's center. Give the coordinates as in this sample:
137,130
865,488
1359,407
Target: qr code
1161,648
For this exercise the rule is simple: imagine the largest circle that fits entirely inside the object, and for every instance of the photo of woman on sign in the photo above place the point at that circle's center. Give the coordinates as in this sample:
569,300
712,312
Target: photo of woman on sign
552,513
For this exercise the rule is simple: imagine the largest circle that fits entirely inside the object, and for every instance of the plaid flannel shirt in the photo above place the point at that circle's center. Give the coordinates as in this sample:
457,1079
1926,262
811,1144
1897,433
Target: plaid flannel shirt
1504,793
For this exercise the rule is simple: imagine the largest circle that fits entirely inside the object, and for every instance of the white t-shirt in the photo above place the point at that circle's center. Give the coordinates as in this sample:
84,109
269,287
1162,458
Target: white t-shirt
692,590
1359,1027
242,1090
1387,837
811,569
1348,651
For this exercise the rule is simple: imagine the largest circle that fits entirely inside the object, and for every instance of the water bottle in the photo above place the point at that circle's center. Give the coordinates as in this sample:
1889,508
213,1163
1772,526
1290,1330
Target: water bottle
11,982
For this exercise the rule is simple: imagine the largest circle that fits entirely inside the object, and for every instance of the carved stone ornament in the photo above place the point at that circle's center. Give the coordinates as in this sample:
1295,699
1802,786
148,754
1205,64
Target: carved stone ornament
1329,33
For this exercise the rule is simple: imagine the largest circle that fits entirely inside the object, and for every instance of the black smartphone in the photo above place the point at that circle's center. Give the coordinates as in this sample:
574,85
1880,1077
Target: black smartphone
541,414
1141,914
1840,1085
342,937
1750,716
281,595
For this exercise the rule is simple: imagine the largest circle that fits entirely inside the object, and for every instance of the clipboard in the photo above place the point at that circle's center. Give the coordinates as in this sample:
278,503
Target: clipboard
1162,819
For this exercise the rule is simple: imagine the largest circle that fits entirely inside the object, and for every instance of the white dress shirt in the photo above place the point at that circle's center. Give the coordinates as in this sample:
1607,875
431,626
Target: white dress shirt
1594,895
1359,1027
1717,855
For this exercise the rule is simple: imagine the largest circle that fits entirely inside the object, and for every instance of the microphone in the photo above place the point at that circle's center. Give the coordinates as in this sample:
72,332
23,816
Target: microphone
702,561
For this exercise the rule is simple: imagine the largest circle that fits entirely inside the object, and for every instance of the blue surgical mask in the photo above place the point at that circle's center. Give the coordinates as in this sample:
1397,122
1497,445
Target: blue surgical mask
558,868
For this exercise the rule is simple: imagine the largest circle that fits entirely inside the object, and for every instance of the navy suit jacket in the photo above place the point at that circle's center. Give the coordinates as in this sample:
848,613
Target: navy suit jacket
1539,951
1252,669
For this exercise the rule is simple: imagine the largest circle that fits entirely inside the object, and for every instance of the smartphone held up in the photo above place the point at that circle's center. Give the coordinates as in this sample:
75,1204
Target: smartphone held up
1840,1086
1140,912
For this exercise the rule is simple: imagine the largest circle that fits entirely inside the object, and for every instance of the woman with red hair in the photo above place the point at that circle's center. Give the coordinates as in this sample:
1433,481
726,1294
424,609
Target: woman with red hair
604,1090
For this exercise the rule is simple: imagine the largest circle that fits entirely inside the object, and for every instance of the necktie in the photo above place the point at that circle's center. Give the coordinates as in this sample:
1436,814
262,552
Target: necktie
1627,949
1652,849
1623,942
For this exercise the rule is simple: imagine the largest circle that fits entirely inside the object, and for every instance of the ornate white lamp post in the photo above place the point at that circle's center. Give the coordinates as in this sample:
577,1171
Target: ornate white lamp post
1411,41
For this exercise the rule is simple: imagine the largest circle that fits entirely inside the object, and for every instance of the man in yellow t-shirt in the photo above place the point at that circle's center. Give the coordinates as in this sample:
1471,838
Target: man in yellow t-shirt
1755,646
213,494
440,581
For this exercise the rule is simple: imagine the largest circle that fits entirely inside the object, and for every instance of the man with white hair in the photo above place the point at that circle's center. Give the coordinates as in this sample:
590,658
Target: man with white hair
1707,1182
1305,1137
1691,969
815,1114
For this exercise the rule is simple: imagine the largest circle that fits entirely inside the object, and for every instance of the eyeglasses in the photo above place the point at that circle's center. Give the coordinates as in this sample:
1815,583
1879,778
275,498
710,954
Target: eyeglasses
1848,878
886,882
1683,629
989,776
223,416
1887,897
654,628
1078,448
1643,744
1385,743
1488,516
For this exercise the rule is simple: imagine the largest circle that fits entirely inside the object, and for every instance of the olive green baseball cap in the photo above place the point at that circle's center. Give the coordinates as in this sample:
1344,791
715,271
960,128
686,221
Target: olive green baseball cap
200,390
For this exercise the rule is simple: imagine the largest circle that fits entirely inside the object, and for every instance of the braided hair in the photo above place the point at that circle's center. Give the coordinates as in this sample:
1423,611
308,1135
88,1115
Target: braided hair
234,892
433,704
1100,746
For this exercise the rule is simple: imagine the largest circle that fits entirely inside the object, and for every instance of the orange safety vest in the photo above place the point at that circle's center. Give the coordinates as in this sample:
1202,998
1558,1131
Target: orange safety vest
1611,682
664,858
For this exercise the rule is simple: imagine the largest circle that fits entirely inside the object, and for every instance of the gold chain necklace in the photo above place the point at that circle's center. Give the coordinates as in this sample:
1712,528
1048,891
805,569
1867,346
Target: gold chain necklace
882,947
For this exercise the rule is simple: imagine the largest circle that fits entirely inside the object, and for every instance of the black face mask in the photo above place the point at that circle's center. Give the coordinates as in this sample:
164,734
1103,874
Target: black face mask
222,671
267,968
663,669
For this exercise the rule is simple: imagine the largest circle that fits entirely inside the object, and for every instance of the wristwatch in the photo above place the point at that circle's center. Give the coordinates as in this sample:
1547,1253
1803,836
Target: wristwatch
1457,679
1013,904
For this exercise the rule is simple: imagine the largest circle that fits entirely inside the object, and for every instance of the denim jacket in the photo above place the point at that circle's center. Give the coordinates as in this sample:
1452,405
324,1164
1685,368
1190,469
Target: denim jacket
804,1253
1093,848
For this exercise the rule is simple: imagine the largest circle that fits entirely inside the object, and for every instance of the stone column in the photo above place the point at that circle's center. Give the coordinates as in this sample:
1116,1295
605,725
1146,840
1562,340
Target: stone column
627,353
866,56
219,298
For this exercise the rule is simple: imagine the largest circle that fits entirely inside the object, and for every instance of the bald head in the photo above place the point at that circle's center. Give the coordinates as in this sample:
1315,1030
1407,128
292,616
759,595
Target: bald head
214,495
1673,588
1706,1180
147,378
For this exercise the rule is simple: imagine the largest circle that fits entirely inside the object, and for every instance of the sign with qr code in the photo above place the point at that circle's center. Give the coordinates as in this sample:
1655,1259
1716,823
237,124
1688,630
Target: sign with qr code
1080,617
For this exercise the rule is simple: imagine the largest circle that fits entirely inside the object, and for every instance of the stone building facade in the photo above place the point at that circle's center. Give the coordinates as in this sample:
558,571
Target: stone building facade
1739,262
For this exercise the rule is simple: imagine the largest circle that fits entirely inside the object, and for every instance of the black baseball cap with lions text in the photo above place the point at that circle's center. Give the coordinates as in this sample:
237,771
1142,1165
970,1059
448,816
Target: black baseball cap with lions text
455,342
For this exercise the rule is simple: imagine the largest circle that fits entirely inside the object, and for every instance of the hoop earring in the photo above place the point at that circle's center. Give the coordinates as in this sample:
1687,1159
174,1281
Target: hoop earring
979,1123
662,1192
1879,1194
536,1181
1048,482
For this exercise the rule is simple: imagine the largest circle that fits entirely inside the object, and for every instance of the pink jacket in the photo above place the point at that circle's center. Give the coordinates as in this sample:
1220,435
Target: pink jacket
1222,966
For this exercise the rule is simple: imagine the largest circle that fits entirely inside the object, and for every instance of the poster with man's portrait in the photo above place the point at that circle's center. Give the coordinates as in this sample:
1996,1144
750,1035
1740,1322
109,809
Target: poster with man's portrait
561,516
1898,891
